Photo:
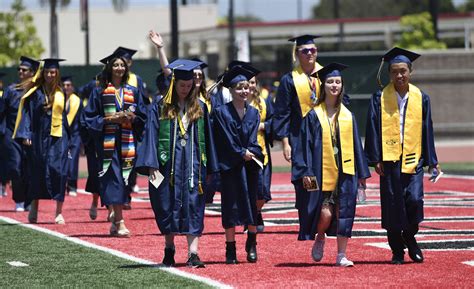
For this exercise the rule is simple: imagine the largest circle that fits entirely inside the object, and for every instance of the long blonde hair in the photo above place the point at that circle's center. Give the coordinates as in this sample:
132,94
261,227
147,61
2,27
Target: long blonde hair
171,110
39,81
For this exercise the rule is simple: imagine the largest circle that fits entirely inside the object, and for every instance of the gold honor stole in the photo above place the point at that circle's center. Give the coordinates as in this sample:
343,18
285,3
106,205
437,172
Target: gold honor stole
261,133
132,80
391,145
329,166
73,101
57,112
206,101
304,88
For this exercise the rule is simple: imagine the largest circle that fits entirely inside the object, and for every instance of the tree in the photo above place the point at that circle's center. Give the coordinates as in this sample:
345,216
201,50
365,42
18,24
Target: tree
376,8
18,35
468,6
418,32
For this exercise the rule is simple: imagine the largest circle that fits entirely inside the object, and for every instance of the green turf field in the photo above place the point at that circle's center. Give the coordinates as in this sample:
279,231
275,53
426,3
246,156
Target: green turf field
54,263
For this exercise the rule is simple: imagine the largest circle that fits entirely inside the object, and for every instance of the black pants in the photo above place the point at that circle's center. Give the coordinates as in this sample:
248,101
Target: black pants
19,187
396,238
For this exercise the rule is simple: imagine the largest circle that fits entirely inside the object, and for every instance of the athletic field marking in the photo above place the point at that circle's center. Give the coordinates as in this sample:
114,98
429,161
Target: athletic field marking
470,263
423,243
120,254
17,264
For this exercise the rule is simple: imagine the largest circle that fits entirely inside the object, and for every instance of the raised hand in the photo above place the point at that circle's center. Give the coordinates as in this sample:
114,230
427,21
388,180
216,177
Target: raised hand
156,38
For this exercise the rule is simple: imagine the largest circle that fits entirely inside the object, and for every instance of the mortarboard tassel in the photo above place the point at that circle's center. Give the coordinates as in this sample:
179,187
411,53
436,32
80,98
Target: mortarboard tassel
378,73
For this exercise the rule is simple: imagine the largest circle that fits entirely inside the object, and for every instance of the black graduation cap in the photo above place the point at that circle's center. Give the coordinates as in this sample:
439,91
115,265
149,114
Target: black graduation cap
400,55
126,53
235,75
52,62
203,64
234,63
28,62
106,59
66,78
330,70
183,68
304,39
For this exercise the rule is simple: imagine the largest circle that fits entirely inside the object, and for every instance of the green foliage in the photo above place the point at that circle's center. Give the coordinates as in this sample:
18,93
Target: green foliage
468,6
18,35
418,33
377,8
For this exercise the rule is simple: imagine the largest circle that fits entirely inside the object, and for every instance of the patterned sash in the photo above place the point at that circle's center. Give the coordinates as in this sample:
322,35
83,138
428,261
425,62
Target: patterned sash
113,101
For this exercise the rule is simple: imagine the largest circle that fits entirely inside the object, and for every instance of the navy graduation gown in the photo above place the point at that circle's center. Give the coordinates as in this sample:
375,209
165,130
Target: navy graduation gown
178,209
74,145
11,150
112,188
47,157
309,203
287,122
401,194
92,183
239,177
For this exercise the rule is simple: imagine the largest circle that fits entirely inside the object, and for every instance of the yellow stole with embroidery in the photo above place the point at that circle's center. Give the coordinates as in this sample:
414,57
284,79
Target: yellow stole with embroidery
206,101
57,112
329,167
304,88
261,133
132,80
74,102
412,132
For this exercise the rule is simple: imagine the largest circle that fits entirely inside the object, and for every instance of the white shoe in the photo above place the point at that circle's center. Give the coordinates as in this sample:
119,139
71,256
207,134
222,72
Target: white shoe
136,189
318,250
342,261
60,220
20,207
72,193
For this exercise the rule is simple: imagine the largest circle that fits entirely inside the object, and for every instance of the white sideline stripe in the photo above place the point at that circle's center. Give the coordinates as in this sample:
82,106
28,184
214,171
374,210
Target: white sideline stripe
470,263
17,264
120,254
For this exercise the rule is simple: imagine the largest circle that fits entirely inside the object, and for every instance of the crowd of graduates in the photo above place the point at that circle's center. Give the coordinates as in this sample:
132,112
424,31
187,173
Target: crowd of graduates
191,140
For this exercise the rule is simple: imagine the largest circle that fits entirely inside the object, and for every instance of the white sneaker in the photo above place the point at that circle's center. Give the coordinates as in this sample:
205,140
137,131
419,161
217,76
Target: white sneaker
72,193
318,250
20,207
342,261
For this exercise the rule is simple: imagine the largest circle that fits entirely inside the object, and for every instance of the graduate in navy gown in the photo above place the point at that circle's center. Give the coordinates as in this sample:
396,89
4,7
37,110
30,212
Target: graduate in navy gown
92,183
399,143
42,127
73,109
265,140
114,118
15,158
336,167
178,145
235,130
3,170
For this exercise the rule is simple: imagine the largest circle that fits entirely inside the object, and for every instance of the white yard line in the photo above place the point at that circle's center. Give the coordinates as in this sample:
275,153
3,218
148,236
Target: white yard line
17,264
120,254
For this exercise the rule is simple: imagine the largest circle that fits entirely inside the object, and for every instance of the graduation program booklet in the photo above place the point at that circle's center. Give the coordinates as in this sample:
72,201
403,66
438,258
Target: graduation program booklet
155,178
259,162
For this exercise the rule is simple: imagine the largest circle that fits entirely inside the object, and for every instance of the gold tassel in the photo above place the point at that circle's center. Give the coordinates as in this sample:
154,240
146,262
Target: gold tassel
378,74
200,190
294,53
38,72
169,93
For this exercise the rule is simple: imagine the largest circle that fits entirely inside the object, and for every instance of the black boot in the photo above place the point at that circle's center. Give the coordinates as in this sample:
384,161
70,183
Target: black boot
395,241
230,253
168,259
194,261
251,247
413,250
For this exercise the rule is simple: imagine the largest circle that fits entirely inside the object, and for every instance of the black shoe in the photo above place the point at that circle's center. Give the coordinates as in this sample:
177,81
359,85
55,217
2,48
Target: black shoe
195,262
260,224
413,250
168,260
398,259
230,253
251,247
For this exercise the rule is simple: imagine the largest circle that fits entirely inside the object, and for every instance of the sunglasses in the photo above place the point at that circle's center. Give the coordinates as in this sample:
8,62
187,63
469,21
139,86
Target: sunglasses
307,50
23,69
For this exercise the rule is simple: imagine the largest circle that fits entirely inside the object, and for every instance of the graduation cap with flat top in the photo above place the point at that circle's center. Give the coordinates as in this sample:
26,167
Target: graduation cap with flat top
66,78
304,39
52,62
330,70
236,75
184,68
124,52
400,55
28,62
203,64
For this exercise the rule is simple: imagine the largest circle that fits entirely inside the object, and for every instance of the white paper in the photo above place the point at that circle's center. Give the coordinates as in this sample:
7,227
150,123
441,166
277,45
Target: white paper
155,178
259,163
435,178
